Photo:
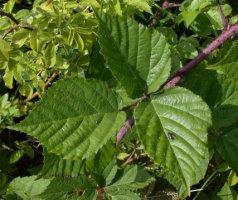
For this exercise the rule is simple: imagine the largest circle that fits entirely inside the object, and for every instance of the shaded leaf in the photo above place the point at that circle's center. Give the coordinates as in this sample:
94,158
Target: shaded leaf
55,165
133,177
227,145
64,188
138,57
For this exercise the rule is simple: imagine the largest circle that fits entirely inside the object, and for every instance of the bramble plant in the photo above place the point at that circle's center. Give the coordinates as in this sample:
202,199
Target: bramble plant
118,99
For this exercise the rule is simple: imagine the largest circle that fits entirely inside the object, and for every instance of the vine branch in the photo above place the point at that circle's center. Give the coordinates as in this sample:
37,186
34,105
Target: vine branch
227,33
223,18
9,15
15,26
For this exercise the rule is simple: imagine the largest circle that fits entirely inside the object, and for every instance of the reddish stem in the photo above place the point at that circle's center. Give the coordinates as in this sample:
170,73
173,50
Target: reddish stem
175,79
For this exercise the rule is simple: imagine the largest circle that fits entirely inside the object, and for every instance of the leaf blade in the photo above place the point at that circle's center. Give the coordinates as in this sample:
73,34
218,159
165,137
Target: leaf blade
173,130
137,56
75,118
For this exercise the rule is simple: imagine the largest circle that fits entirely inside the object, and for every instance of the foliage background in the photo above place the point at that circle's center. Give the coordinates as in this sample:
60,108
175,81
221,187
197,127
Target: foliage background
75,74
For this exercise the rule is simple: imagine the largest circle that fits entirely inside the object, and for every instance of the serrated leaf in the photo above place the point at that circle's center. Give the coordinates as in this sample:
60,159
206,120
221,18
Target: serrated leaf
133,178
75,118
110,172
142,5
173,129
97,164
227,145
138,57
55,165
28,187
60,188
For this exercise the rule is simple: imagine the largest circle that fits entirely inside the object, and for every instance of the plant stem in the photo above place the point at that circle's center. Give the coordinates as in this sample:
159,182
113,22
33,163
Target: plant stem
176,78
9,15
206,183
223,18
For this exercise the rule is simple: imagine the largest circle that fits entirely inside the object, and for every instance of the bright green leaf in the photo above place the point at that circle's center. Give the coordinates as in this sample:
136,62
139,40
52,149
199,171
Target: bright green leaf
232,178
226,193
20,37
8,7
50,55
173,129
28,188
137,56
142,5
191,9
75,118
16,155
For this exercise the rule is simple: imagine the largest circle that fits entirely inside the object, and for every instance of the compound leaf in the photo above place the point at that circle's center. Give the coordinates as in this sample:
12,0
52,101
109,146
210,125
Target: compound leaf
138,57
173,129
75,118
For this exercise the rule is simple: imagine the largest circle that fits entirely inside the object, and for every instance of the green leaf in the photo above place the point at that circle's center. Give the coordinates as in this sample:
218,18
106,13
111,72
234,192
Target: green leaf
28,187
142,5
8,7
98,164
226,193
215,17
75,118
8,78
173,129
20,37
227,145
55,165
16,155
61,188
122,195
110,172
191,9
133,178
5,47
50,55
232,178
138,57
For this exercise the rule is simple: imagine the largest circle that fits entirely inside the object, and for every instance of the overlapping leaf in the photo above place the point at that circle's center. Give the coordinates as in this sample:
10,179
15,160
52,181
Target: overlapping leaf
173,129
137,56
133,178
75,118
228,147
